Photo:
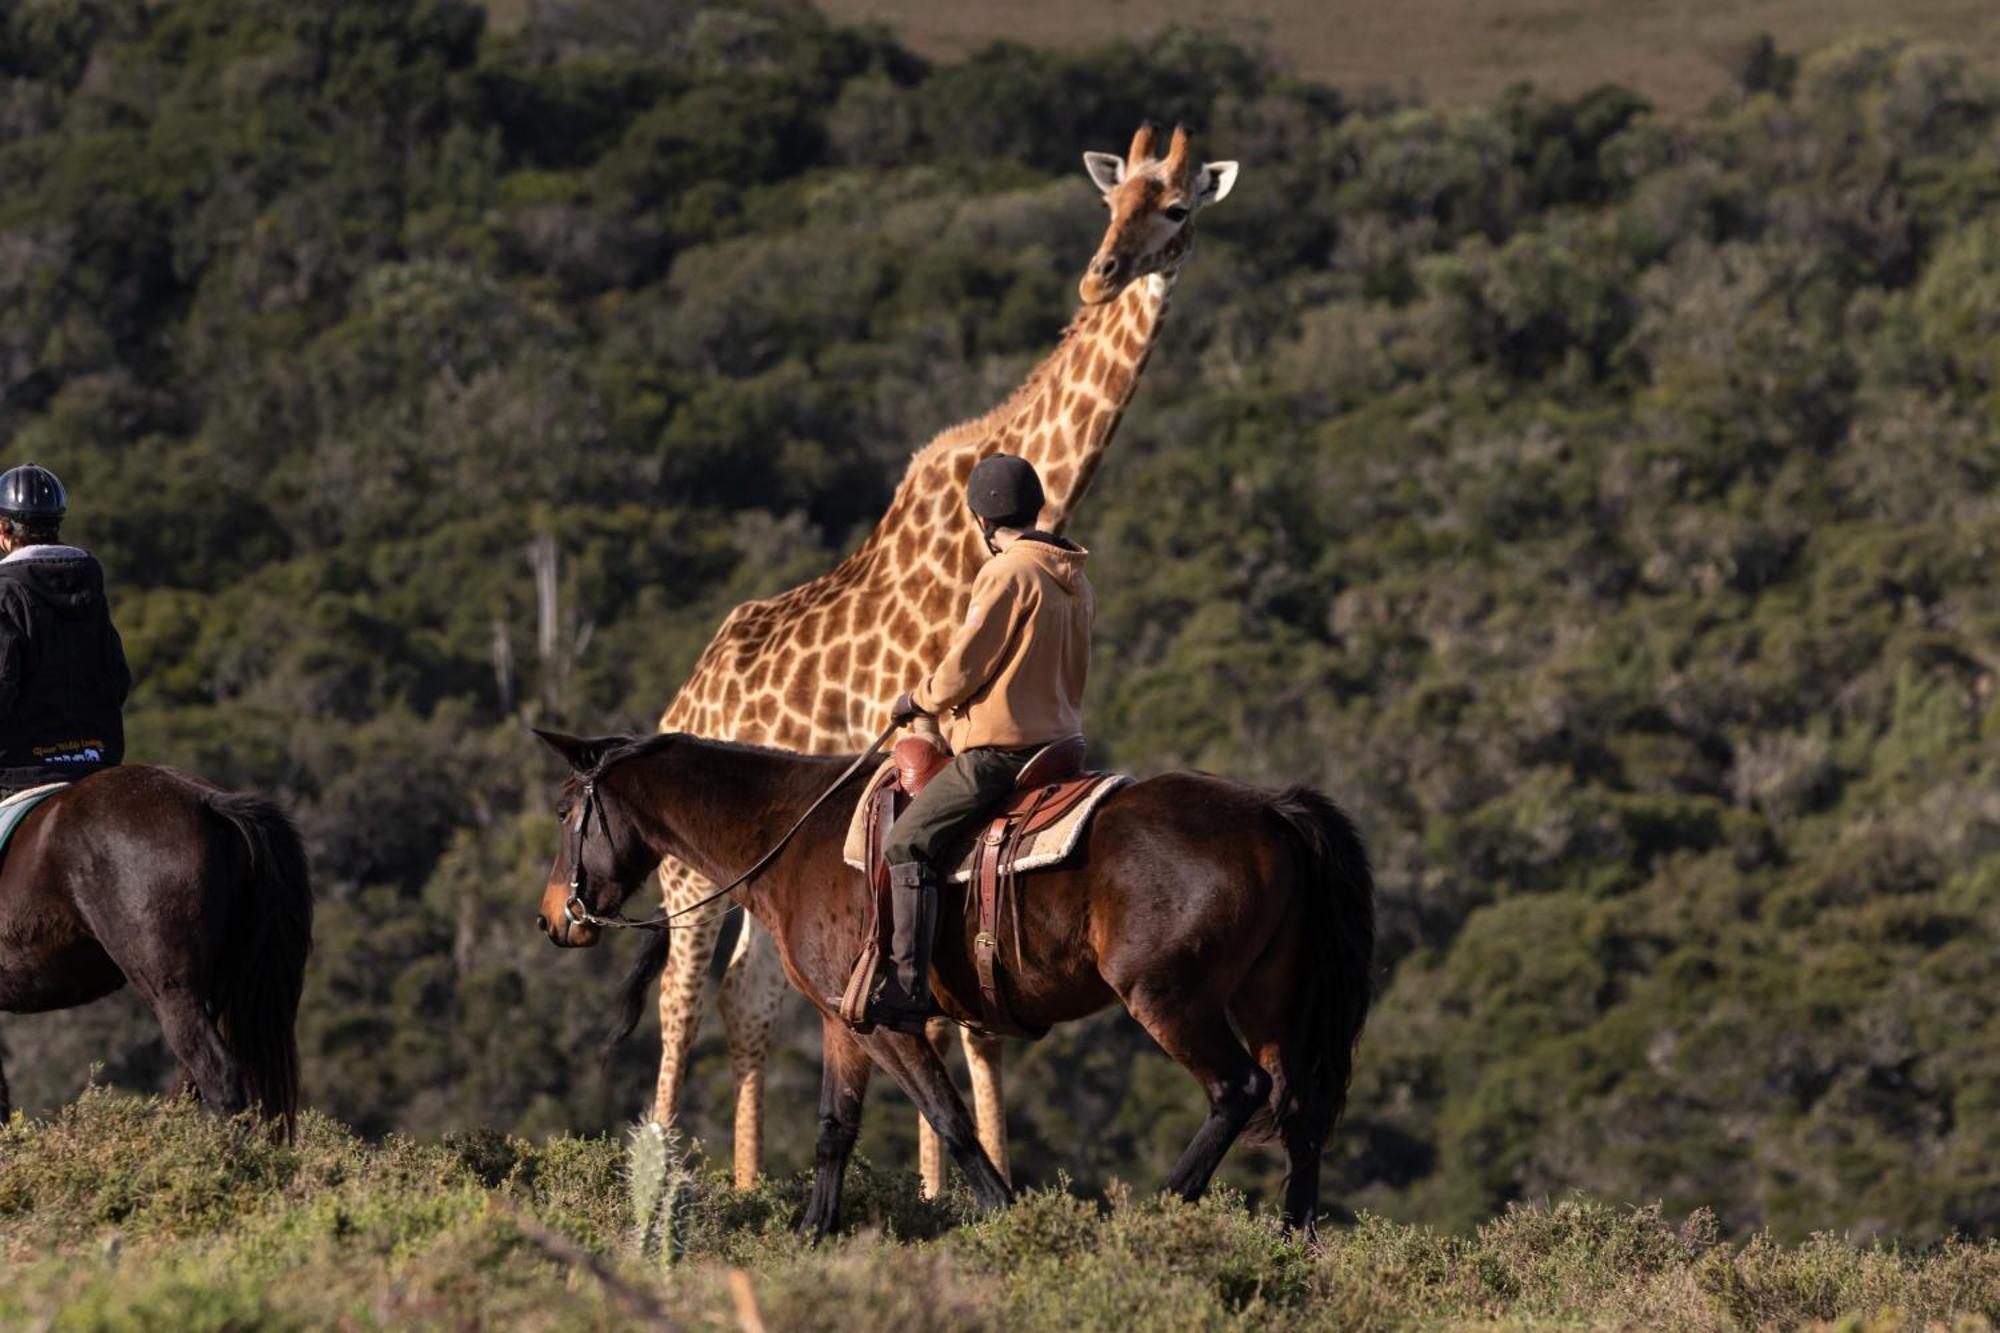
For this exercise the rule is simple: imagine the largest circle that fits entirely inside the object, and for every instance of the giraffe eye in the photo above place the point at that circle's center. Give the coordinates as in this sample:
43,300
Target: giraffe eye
1177,213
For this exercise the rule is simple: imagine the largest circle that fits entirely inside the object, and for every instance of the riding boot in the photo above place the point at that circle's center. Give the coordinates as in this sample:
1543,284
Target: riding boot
903,999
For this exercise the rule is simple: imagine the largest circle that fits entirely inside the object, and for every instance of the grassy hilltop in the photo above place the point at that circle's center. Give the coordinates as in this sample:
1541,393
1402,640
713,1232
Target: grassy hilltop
1600,502
1677,53
123,1214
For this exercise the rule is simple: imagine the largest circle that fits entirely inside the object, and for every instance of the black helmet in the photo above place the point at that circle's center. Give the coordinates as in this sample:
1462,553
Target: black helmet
1004,490
31,492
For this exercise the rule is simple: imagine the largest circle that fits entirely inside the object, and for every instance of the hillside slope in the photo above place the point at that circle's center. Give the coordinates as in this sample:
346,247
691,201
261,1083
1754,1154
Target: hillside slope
1676,54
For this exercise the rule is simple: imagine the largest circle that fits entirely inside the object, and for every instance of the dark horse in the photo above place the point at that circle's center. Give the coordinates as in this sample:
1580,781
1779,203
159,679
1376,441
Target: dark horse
1236,925
198,897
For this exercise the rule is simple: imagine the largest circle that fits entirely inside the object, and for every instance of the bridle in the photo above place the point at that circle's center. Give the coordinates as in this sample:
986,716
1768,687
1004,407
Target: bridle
577,912
574,910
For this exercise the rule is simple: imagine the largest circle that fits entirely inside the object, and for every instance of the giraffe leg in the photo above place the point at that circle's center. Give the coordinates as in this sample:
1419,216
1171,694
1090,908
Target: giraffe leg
751,990
930,1150
683,984
982,1057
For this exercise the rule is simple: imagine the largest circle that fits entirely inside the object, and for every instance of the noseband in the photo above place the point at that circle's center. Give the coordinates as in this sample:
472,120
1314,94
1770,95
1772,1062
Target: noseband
577,912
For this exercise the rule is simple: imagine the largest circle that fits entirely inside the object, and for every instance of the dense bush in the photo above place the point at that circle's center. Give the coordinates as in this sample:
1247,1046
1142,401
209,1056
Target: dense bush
1602,506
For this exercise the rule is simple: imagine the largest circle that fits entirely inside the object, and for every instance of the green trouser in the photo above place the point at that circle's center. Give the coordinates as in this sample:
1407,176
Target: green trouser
976,783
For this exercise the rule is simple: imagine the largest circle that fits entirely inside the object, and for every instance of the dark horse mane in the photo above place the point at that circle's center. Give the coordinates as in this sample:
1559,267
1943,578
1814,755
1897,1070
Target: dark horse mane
643,747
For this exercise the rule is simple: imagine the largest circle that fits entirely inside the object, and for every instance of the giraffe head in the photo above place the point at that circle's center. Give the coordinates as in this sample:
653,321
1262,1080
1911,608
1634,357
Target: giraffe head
1153,202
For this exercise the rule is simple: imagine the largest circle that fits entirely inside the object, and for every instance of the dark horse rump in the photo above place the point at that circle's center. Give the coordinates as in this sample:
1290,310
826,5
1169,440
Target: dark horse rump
198,898
1235,924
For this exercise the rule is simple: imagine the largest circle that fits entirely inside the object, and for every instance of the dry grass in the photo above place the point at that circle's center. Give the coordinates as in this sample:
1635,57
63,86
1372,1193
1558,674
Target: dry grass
1454,51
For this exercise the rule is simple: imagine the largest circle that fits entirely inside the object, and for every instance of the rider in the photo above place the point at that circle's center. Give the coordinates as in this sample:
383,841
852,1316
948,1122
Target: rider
63,678
1013,682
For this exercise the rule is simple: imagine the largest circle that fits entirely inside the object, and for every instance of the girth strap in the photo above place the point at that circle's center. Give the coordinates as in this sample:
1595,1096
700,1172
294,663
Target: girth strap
997,887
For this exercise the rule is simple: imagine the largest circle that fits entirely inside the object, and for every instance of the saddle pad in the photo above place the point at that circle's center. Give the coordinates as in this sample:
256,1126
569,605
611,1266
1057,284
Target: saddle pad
16,807
1052,846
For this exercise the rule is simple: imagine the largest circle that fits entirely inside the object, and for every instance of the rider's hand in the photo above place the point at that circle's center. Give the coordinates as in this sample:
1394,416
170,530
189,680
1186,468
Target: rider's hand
905,711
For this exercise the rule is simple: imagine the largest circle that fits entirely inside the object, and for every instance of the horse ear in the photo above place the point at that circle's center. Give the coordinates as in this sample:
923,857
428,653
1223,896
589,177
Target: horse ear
581,755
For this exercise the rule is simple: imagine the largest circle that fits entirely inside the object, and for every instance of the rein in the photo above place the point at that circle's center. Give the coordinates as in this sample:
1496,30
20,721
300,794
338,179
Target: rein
576,911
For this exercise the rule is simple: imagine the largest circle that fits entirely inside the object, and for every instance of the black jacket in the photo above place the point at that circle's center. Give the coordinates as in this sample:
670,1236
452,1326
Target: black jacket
63,678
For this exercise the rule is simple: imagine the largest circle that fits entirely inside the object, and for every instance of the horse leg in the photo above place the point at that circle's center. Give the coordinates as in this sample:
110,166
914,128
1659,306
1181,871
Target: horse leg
751,989
1264,1014
1199,1038
844,1070
683,984
923,1077
196,1042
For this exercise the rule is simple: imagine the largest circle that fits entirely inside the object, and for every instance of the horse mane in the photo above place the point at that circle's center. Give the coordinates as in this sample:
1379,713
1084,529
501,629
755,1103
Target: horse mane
642,747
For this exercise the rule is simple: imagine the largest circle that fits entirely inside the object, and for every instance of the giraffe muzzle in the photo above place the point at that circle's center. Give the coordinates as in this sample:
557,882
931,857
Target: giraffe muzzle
1101,281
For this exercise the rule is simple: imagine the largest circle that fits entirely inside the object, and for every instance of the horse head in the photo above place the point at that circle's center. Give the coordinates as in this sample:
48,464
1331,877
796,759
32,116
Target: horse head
603,856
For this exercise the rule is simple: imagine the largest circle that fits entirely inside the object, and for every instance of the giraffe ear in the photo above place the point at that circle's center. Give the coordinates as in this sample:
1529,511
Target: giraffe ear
1216,181
1106,170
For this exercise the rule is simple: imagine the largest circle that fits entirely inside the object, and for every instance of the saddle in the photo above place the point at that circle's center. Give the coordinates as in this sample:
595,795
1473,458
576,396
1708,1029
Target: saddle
15,808
1041,826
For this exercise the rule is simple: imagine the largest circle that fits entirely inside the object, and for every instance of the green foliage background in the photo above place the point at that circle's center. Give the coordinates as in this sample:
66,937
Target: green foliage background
1602,506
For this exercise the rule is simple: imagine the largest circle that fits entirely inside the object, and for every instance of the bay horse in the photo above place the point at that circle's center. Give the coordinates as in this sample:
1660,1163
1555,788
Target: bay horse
197,897
1236,925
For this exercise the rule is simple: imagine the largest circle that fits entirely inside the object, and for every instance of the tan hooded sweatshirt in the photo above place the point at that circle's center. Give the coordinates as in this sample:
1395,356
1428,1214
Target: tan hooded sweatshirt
1014,675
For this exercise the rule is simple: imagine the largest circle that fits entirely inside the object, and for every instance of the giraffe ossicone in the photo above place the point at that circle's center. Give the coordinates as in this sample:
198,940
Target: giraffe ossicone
815,668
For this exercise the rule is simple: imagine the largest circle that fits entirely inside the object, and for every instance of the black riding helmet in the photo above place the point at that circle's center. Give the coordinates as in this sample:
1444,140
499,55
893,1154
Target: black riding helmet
31,492
1005,491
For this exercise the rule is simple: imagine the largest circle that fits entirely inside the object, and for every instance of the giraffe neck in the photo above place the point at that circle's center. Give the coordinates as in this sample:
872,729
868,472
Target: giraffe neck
1065,415
810,669
1061,419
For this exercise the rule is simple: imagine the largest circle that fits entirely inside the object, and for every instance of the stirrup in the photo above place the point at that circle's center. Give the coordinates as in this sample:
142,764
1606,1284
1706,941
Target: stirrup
865,1006
896,1015
854,1002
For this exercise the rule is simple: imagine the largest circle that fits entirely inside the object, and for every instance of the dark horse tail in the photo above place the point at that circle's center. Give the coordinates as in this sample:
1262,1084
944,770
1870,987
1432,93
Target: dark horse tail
264,960
1334,994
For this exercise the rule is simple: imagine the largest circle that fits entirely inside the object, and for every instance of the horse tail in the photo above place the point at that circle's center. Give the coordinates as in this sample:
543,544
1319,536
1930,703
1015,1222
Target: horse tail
1338,983
637,987
264,961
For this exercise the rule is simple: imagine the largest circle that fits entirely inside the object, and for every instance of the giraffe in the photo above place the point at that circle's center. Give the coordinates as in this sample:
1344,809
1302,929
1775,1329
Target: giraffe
814,669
